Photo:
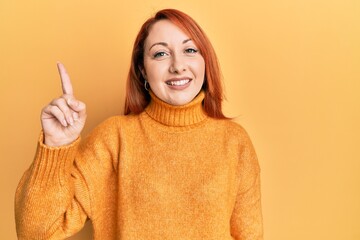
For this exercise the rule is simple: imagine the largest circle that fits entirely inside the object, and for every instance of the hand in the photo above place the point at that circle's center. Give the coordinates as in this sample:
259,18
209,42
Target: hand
64,118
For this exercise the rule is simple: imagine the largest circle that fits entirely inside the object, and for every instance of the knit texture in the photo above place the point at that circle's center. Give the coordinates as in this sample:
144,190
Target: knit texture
170,172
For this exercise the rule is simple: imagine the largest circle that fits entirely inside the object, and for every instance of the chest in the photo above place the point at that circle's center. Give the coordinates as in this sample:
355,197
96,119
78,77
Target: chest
178,168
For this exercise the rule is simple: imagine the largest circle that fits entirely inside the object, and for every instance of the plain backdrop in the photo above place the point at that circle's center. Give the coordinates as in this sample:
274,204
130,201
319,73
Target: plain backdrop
292,77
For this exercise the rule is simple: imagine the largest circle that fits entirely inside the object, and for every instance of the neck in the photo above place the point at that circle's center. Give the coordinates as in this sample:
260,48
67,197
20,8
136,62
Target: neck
177,116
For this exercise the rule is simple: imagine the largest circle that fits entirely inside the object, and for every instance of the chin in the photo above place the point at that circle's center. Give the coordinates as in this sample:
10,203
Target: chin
181,100
179,103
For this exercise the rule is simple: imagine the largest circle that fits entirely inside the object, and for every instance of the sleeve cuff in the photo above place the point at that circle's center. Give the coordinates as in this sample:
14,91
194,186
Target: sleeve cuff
53,164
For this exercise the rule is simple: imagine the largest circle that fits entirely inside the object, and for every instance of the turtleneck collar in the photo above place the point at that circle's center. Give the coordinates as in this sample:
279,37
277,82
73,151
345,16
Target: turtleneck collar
176,116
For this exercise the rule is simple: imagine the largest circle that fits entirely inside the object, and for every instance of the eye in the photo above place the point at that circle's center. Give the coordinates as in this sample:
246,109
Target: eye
191,50
159,54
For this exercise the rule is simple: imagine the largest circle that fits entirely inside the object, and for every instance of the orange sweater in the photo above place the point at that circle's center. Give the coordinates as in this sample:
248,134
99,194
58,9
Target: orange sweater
167,173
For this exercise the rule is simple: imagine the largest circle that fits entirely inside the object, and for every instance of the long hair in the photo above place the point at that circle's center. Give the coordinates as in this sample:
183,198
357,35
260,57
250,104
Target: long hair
137,98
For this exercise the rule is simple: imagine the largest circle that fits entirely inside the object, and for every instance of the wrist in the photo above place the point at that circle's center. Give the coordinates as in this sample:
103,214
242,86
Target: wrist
56,142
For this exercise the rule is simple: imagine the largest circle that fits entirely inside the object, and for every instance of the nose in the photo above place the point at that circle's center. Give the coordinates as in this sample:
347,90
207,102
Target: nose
177,64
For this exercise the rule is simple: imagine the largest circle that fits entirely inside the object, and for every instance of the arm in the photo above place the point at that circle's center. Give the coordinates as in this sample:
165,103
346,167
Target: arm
246,220
66,185
46,204
46,200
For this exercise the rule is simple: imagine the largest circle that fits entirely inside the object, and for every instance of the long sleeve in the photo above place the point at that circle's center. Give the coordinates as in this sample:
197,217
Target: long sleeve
46,201
67,185
246,220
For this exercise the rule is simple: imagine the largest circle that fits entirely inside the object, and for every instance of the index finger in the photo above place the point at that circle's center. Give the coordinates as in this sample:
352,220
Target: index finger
65,79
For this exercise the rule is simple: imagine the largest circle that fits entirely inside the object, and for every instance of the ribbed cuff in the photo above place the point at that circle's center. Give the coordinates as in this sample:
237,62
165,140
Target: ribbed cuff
53,165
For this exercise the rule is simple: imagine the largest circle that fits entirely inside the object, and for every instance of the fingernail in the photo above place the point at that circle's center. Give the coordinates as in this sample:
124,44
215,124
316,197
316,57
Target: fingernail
71,121
64,123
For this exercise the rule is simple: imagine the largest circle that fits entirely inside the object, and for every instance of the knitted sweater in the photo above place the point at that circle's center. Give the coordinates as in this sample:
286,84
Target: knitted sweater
170,172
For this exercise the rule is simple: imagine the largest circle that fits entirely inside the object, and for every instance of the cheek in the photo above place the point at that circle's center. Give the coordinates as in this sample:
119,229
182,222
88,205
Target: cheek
147,67
200,67
155,71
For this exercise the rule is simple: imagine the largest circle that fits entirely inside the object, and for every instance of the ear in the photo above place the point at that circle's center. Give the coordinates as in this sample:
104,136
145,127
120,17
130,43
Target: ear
143,73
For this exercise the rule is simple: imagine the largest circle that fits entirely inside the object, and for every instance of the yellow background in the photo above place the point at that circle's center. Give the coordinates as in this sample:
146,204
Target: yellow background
292,76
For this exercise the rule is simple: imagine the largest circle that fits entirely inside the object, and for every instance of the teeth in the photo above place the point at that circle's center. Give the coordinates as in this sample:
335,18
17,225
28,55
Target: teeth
178,83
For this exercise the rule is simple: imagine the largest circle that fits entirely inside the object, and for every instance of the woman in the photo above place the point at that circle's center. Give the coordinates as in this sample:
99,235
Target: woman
172,168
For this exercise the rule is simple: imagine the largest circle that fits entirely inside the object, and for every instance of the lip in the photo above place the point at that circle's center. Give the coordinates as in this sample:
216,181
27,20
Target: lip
178,83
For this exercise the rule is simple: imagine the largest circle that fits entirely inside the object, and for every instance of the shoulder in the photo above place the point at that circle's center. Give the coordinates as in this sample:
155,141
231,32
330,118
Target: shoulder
115,123
237,138
232,129
247,154
112,127
107,126
105,132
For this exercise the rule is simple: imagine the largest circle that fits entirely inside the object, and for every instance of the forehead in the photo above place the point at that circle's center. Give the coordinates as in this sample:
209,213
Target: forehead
165,31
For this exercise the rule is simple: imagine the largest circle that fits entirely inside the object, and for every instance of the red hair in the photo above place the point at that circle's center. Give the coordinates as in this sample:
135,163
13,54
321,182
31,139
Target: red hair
137,98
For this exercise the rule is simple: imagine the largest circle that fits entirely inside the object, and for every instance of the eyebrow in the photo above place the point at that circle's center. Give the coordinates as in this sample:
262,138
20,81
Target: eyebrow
165,44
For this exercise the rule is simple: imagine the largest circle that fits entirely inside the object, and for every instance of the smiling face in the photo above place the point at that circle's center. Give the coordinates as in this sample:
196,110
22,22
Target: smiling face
173,66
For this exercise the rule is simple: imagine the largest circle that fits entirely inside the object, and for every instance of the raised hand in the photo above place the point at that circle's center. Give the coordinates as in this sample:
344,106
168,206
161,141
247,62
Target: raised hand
63,118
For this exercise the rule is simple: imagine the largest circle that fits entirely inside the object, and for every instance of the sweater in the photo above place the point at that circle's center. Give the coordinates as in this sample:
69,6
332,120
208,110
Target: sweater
170,172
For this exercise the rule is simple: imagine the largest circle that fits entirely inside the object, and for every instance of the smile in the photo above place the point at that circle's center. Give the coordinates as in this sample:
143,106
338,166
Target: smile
179,82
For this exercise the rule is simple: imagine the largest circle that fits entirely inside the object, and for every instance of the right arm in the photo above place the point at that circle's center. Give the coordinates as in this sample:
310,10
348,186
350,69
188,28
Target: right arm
51,200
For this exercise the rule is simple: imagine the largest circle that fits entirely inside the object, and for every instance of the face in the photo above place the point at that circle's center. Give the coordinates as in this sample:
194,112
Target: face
173,66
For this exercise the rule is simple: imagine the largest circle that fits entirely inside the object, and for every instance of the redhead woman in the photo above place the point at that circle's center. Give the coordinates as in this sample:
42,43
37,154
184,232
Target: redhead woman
173,167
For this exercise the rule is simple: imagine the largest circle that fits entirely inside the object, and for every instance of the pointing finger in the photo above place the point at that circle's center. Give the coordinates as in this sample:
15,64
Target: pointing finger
65,79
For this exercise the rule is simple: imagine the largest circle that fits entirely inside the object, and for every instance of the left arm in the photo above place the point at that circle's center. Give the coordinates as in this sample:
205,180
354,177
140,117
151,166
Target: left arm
246,220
